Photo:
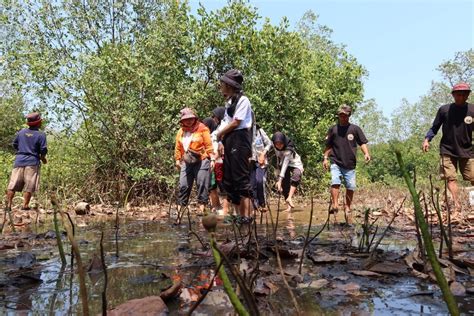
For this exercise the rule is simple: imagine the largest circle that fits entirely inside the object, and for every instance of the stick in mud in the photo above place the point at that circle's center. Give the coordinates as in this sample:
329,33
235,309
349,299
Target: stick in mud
449,242
307,235
58,235
440,218
395,214
104,268
275,227
440,278
80,267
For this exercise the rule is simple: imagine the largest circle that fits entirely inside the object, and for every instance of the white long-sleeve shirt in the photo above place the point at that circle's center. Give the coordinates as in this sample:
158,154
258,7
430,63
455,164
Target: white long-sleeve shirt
286,159
261,142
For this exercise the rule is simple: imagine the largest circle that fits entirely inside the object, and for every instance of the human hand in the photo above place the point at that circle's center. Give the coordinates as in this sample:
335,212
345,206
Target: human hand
213,164
220,149
261,159
326,164
426,145
278,185
367,157
178,164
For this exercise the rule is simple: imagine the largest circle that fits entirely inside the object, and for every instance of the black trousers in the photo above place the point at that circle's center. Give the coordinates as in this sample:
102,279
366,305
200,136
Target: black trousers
237,152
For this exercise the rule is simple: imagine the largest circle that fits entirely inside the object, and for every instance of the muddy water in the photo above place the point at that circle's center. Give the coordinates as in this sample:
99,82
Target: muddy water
140,260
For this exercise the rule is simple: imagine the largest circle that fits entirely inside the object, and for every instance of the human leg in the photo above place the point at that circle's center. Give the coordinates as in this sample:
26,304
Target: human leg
186,180
294,183
448,172
350,182
261,176
26,200
453,189
202,183
336,175
10,196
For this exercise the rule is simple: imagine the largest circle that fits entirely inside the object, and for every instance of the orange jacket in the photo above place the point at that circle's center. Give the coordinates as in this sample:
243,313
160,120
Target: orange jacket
201,142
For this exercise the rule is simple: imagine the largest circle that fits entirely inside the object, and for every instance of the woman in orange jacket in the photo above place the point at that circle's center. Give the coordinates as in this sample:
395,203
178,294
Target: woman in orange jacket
194,158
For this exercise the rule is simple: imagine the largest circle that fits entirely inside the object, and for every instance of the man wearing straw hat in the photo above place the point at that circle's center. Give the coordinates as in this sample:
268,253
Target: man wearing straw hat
31,150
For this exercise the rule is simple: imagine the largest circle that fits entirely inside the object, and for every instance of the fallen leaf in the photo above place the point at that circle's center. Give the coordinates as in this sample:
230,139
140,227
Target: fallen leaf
151,305
386,267
349,288
318,284
365,273
457,289
326,258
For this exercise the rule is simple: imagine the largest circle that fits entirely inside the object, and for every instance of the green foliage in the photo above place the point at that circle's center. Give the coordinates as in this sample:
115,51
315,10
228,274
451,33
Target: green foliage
113,78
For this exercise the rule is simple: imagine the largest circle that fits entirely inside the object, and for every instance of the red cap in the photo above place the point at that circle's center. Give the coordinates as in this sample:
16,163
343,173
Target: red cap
33,119
462,86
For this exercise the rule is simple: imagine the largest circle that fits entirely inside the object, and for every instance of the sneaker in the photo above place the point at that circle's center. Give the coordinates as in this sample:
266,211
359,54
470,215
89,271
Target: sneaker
245,220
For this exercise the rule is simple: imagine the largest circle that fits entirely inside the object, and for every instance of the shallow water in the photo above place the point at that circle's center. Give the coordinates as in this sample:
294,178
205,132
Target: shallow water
147,250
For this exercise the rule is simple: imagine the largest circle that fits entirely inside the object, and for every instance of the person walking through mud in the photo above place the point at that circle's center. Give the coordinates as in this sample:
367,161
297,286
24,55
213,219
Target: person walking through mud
194,158
31,149
456,142
291,167
261,145
340,157
236,145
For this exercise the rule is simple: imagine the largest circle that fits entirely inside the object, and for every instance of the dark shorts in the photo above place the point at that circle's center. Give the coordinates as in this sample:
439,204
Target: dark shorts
292,178
237,151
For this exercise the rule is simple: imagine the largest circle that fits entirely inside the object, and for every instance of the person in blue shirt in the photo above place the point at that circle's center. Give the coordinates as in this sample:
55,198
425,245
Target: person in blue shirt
31,149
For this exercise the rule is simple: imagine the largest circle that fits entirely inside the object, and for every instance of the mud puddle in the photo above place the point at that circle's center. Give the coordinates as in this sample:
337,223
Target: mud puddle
147,256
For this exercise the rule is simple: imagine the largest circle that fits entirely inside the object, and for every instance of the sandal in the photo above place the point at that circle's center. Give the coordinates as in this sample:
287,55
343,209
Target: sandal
333,210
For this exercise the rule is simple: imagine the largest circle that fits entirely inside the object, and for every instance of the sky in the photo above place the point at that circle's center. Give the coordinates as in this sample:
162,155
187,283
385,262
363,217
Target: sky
400,43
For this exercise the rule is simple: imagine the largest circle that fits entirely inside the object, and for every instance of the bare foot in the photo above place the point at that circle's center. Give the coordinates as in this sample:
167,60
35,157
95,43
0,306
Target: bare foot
290,202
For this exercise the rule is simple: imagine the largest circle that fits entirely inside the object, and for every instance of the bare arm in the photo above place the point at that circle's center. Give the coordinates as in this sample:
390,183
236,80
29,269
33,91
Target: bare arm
365,150
229,128
327,151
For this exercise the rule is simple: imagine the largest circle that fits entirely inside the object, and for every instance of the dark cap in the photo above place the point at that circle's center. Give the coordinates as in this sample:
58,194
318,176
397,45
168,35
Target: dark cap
233,78
219,112
345,109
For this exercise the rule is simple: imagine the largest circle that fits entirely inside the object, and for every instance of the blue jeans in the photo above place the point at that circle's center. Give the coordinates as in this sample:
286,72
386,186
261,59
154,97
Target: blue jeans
348,175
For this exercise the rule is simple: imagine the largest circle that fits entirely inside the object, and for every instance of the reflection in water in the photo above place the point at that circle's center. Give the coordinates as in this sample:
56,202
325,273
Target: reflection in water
150,249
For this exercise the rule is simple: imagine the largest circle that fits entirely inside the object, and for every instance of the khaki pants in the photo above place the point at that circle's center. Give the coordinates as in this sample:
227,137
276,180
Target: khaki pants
449,166
24,179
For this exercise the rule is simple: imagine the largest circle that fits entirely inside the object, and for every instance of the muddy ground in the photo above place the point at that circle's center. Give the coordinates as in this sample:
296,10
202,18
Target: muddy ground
149,252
